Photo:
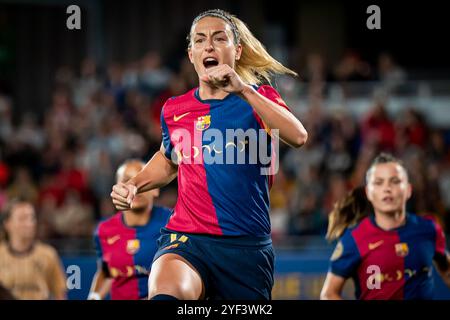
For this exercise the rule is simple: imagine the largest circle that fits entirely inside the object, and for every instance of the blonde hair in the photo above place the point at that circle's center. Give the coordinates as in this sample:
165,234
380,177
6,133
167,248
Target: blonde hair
255,65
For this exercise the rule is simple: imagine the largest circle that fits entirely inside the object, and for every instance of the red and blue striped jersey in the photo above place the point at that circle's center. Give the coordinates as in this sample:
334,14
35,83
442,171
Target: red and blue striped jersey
390,264
126,253
218,197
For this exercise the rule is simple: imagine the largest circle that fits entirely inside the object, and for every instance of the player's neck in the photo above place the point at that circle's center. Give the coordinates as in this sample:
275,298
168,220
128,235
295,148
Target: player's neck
20,245
389,221
136,219
206,92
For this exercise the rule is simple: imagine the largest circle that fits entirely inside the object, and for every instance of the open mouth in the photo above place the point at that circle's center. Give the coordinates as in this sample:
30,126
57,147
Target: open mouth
210,62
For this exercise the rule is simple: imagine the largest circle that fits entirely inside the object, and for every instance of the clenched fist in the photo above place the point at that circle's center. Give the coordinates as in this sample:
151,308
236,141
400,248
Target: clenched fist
123,195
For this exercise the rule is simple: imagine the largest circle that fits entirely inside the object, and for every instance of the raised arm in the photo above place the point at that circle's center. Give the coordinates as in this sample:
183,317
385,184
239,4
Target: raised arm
291,130
158,172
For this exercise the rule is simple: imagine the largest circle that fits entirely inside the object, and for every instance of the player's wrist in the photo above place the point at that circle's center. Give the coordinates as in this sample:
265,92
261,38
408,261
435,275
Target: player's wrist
94,296
246,91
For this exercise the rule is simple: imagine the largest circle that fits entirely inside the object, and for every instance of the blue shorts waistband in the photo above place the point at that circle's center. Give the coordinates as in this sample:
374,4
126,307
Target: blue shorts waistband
244,240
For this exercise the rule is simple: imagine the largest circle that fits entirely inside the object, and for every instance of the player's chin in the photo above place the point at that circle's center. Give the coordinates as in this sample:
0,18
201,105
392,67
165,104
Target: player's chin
390,208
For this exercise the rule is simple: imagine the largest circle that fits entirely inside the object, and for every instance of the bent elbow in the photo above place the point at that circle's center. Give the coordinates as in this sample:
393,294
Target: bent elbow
301,138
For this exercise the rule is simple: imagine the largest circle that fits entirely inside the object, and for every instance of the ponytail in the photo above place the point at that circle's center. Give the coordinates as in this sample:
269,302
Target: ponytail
347,212
255,65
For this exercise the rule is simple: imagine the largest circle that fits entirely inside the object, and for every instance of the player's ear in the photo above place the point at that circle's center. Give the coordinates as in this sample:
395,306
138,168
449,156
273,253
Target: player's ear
238,52
155,193
191,59
368,195
408,191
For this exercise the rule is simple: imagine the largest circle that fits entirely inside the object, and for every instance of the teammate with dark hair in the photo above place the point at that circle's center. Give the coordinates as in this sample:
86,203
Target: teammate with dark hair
387,251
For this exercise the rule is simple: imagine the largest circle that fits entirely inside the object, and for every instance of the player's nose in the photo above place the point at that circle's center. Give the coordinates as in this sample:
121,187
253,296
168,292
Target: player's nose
209,47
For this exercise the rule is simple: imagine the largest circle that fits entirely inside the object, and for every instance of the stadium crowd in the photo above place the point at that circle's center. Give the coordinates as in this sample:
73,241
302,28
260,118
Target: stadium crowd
64,160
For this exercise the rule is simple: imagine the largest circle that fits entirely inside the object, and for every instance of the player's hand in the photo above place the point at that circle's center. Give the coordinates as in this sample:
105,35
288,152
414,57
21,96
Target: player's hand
225,78
123,195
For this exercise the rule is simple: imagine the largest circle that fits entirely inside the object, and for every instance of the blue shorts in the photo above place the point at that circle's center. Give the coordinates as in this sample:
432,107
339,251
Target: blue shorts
232,268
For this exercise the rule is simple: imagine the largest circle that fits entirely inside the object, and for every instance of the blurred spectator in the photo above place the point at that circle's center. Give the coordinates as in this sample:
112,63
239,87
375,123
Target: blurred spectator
412,124
352,68
316,74
74,218
87,84
23,186
308,217
29,133
154,75
280,194
378,129
389,73
114,85
337,189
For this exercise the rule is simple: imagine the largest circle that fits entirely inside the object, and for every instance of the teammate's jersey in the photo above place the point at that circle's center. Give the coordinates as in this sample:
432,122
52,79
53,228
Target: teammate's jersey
127,252
222,189
393,264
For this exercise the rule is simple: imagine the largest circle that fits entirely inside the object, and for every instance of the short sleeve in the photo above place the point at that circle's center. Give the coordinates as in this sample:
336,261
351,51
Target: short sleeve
345,258
273,95
168,146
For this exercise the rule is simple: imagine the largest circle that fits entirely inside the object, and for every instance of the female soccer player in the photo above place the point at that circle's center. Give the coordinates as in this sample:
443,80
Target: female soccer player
389,253
126,244
217,242
29,269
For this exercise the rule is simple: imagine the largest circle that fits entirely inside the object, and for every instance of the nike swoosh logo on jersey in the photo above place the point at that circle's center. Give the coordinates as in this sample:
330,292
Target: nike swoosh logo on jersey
375,245
177,118
111,240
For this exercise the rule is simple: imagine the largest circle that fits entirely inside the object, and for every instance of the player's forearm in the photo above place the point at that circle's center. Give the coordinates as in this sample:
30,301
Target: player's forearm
100,284
291,130
157,173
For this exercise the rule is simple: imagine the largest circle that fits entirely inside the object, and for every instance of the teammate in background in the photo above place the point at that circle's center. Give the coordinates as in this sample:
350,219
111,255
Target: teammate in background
29,269
126,244
387,251
217,243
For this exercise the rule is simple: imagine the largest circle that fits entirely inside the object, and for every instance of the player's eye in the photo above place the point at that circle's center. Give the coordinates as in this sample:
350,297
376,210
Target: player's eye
199,40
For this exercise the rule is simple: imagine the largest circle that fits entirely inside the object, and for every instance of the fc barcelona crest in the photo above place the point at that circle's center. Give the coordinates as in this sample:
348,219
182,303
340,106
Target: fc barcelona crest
401,249
203,122
133,246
